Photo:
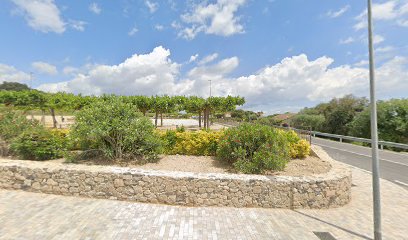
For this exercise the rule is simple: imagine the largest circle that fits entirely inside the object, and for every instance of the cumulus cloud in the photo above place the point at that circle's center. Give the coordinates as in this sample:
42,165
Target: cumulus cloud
94,7
152,6
288,85
378,39
69,70
208,58
396,11
148,74
159,27
78,25
347,40
214,18
338,13
133,31
11,74
45,68
41,15
193,58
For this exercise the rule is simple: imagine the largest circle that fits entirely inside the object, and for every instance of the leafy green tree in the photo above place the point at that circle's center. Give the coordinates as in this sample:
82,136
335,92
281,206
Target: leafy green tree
338,113
305,121
195,104
143,103
392,121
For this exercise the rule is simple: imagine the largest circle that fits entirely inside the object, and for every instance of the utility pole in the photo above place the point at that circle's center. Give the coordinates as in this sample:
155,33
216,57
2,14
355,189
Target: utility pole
374,133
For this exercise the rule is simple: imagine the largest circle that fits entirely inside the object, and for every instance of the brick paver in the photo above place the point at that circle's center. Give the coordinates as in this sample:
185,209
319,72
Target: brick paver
25,215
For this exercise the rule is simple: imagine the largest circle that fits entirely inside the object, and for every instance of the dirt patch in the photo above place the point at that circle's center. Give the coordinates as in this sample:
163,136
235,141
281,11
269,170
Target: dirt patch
188,164
297,167
304,167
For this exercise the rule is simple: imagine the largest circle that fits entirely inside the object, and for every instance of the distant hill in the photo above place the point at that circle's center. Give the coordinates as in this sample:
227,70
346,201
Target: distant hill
13,86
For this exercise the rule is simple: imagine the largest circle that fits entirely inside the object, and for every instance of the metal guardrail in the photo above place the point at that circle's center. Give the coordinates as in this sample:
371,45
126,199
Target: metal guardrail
350,138
307,135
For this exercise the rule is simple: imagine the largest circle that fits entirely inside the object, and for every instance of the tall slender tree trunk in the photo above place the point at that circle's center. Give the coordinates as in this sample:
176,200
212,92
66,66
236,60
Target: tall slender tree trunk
43,117
155,119
199,119
161,119
205,119
54,120
208,118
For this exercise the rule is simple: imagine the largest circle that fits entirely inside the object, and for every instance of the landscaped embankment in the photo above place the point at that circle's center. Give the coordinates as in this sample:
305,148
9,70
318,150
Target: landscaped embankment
331,189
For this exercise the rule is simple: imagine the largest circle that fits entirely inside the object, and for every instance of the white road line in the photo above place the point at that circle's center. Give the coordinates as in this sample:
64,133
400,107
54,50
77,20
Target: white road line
402,183
362,147
361,154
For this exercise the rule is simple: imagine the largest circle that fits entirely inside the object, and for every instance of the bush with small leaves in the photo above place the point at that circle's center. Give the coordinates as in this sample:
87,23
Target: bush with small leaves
117,130
254,148
38,143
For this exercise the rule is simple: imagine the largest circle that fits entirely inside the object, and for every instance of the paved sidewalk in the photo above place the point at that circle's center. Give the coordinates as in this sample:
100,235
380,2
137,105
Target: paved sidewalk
26,215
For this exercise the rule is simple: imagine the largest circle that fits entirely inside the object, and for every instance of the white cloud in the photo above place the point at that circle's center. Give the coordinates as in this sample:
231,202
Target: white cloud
69,70
193,58
94,7
338,13
384,49
148,74
152,6
41,15
362,63
11,74
45,68
396,11
78,25
133,31
208,58
215,18
159,27
176,25
291,84
347,40
378,39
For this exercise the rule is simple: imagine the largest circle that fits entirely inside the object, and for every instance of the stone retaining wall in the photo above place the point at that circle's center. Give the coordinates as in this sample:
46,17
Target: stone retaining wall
181,188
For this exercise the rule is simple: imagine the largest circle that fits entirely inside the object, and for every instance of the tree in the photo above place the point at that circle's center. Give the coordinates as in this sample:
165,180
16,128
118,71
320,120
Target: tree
13,86
195,104
338,113
143,103
305,121
392,121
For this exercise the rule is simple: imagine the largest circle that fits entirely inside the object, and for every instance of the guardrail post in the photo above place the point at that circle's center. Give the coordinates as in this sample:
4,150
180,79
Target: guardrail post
341,139
381,147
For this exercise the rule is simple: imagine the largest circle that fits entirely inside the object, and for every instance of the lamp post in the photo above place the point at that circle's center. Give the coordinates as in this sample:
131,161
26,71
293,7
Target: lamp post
374,133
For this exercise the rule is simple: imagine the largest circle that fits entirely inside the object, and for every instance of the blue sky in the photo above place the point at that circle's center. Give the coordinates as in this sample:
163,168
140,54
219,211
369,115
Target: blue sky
280,55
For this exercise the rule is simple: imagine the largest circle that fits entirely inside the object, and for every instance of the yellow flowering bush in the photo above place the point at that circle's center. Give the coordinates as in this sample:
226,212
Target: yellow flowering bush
301,149
199,143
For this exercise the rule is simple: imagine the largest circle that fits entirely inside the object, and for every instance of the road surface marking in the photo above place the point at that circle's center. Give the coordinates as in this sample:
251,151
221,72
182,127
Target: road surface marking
365,155
402,183
363,147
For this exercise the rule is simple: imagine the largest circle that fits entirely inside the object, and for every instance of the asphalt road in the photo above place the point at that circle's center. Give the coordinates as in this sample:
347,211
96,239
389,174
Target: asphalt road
393,165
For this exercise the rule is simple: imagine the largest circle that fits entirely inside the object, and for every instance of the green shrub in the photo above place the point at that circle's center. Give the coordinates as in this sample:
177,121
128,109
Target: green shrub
254,148
117,130
38,144
201,143
13,124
